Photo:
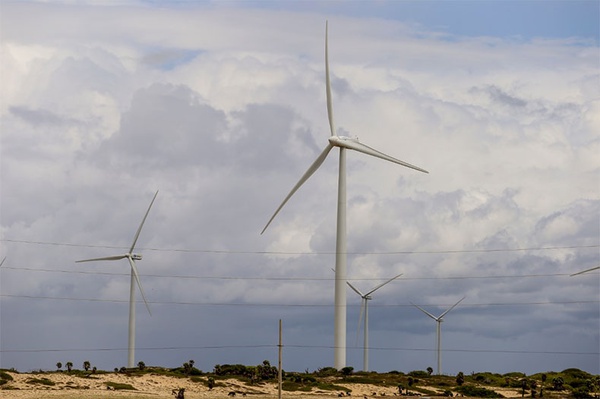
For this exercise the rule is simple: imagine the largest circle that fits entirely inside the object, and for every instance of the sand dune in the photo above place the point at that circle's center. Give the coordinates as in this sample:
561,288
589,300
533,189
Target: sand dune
94,386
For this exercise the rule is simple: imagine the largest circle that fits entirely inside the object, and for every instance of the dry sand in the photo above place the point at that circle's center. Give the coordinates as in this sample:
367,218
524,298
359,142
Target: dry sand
70,386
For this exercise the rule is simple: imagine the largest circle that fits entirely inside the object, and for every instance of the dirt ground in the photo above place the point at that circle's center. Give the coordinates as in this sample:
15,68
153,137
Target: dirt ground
70,386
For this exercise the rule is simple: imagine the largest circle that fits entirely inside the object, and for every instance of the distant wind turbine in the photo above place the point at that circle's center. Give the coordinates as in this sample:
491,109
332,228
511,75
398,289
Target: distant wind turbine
131,257
365,308
343,143
1,263
439,321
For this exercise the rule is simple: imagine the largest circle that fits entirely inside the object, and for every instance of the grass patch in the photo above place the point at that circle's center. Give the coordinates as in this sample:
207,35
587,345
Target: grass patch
5,377
41,381
117,386
291,386
478,392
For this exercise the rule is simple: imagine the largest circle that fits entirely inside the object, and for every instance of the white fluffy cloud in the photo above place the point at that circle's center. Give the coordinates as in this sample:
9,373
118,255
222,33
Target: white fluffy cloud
222,110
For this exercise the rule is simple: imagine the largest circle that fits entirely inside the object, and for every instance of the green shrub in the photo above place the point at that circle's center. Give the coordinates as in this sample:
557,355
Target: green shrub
419,374
233,369
117,386
41,381
295,386
327,372
477,392
5,377
582,393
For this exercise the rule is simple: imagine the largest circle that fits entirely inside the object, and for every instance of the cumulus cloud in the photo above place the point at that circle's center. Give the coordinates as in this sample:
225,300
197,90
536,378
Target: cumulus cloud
222,114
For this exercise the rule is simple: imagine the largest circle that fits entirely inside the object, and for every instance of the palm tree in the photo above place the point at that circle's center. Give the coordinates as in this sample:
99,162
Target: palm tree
429,370
460,378
86,365
141,366
69,366
59,366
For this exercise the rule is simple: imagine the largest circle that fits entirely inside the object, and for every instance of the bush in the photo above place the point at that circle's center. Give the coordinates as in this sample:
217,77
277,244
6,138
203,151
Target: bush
419,374
5,377
582,393
117,386
477,392
41,381
232,369
295,386
327,372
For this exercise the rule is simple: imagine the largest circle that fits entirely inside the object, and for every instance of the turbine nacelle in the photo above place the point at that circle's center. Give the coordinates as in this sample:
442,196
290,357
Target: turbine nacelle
135,256
339,141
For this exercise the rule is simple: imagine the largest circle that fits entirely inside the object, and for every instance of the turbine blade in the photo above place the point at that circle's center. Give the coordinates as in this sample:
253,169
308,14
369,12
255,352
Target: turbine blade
382,284
1,263
356,290
137,234
137,279
365,149
315,165
574,274
328,83
116,257
363,303
453,306
426,312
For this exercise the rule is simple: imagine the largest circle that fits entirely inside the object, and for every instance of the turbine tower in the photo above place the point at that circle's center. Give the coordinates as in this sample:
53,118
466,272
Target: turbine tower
135,278
439,321
343,143
365,308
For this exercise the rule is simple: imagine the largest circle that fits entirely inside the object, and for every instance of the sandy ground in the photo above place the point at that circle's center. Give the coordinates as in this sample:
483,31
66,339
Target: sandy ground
68,386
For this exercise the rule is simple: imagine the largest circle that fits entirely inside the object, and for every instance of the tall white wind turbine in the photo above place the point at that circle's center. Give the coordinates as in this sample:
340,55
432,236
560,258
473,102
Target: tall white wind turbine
365,308
135,279
343,143
439,321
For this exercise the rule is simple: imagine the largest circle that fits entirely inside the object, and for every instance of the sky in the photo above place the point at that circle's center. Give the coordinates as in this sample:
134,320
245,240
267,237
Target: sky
221,107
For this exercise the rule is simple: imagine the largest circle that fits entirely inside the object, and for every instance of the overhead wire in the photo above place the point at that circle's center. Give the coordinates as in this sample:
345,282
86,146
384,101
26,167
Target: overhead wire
295,346
212,251
175,276
249,304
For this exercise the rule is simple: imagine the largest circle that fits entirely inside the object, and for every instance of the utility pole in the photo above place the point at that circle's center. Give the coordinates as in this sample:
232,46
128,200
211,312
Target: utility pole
280,373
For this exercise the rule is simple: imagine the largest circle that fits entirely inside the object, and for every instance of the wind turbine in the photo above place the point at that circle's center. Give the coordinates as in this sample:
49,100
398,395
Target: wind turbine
439,321
135,278
365,308
581,272
343,143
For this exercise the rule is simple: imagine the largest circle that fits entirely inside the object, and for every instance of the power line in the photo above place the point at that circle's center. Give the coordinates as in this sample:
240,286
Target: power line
212,251
294,346
466,305
281,278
